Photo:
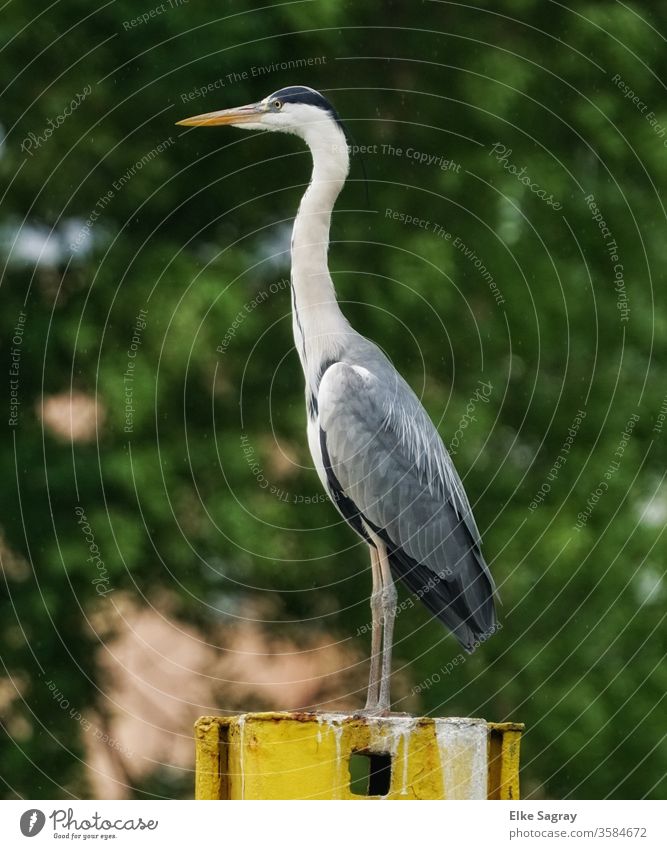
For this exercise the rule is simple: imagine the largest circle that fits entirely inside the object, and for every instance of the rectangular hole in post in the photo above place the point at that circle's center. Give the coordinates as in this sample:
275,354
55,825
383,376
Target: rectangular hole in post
370,773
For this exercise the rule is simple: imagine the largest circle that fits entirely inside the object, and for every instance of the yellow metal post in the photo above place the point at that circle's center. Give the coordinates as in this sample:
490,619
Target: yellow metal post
307,756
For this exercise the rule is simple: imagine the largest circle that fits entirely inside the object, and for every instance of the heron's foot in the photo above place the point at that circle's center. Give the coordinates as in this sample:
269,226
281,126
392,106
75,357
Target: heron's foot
377,712
364,713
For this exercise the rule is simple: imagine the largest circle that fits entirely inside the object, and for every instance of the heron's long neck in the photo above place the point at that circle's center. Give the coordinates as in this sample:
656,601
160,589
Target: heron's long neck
319,326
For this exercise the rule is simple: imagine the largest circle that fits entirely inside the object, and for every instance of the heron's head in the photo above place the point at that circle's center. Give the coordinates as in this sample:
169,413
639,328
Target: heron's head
296,109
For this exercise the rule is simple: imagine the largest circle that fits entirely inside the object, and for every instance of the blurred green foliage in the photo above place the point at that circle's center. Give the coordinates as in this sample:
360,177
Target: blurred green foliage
201,228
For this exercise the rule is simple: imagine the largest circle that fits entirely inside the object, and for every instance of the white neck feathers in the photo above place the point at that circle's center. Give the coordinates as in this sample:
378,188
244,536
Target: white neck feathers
317,320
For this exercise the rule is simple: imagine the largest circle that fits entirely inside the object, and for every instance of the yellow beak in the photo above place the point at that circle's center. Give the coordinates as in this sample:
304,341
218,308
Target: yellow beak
239,115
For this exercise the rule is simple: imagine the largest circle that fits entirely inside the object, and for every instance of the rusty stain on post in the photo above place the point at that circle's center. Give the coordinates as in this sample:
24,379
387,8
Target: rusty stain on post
307,756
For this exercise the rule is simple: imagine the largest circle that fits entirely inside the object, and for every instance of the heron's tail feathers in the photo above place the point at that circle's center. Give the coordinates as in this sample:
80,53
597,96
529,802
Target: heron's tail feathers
462,596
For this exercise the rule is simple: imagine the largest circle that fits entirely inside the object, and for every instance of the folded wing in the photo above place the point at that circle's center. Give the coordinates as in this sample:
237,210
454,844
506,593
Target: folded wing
387,466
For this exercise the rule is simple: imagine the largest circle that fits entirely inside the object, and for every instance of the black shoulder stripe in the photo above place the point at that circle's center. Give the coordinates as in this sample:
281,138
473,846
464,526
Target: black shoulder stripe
325,365
313,406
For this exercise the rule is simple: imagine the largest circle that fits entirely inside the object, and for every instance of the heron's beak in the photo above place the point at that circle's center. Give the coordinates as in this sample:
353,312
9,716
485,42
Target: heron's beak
239,115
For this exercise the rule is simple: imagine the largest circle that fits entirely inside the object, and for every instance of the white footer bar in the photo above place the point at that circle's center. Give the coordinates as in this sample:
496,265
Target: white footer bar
292,825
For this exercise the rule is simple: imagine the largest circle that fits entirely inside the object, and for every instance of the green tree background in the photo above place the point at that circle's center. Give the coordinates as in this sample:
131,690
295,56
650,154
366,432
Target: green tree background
116,210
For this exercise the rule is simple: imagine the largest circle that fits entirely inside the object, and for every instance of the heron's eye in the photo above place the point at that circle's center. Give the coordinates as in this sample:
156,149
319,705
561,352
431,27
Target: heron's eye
277,104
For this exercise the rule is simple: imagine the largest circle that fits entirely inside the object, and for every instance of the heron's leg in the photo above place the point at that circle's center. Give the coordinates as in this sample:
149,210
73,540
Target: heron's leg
376,645
389,597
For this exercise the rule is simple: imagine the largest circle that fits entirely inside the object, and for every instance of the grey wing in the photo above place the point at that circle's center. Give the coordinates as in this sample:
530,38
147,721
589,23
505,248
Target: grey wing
386,466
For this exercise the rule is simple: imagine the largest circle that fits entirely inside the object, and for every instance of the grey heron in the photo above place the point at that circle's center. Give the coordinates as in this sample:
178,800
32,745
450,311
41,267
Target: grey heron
376,451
